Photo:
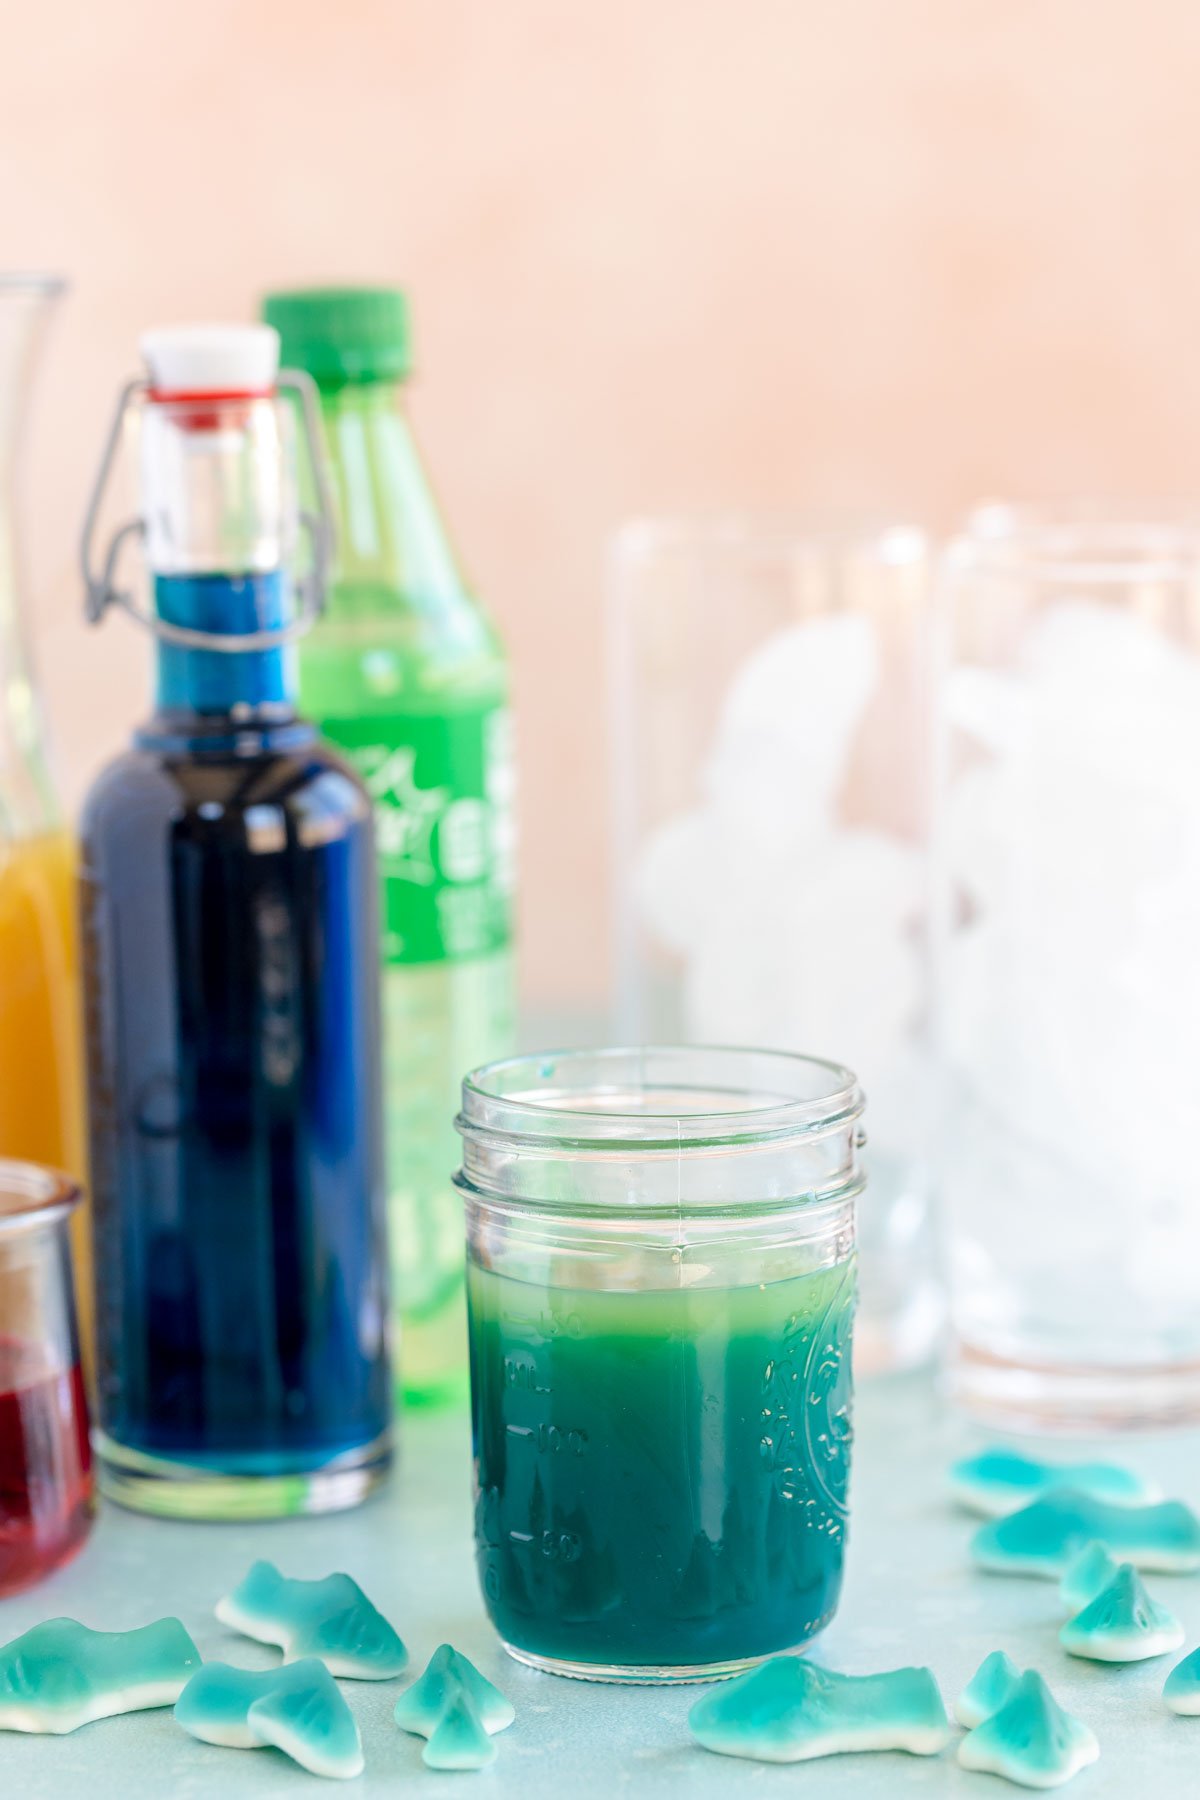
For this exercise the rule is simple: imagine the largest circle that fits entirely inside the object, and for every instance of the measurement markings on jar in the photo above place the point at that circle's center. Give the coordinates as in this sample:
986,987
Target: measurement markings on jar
521,1372
558,1325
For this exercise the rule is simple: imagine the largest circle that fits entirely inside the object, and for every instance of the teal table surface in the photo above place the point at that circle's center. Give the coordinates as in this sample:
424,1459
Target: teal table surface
910,1597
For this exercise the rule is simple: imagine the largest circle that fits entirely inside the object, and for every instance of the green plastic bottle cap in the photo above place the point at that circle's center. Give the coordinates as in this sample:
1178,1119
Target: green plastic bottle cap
342,334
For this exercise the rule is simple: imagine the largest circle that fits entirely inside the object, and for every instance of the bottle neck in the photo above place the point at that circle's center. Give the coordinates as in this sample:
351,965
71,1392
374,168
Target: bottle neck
391,534
217,684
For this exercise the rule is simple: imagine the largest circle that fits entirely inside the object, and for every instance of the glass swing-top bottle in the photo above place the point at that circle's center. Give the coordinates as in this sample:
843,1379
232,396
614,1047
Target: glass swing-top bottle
231,970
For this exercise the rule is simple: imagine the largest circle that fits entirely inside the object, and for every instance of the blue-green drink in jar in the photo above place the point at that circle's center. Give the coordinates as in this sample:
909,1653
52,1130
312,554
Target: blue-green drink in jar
661,1288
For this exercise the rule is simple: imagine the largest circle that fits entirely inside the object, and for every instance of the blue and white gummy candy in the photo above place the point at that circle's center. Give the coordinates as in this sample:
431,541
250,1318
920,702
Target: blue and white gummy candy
1085,1576
1182,1690
458,1740
998,1481
1045,1536
788,1710
1030,1740
447,1673
330,1618
993,1682
61,1675
296,1708
1122,1624
457,1709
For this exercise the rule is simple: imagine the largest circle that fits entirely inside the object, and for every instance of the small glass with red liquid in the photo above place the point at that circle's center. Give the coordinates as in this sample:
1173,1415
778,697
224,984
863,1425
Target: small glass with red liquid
45,1461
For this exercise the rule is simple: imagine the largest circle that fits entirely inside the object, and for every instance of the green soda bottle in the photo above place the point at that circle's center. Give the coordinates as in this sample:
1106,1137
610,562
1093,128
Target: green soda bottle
406,674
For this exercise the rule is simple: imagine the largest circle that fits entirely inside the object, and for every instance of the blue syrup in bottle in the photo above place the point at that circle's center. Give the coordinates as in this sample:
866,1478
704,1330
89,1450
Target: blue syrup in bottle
231,958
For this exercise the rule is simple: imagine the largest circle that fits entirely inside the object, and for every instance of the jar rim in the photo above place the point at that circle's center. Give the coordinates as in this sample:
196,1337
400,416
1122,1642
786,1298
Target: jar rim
590,1098
33,1197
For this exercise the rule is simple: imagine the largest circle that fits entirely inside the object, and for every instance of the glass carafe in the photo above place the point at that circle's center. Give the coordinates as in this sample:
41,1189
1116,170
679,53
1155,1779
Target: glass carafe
40,1077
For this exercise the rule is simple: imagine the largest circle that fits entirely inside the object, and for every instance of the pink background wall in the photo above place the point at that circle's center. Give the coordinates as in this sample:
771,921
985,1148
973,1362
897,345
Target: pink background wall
663,253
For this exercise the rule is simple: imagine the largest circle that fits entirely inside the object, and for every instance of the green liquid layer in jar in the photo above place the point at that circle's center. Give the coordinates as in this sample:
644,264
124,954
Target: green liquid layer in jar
661,1475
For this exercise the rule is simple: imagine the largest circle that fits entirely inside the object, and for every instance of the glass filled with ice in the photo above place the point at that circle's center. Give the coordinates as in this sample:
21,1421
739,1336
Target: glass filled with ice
770,784
1067,972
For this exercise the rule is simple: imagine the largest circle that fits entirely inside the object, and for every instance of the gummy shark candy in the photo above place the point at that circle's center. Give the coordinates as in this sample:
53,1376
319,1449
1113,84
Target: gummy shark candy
61,1675
1030,1740
448,1672
457,1709
459,1740
1045,1536
1122,1624
789,1709
998,1481
297,1708
1086,1575
330,1618
991,1685
1182,1689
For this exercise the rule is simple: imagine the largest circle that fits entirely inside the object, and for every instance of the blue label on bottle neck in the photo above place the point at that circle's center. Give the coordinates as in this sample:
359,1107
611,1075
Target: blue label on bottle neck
223,681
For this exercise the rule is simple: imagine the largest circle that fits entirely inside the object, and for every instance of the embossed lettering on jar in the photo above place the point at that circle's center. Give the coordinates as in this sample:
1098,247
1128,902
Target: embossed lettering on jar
661,1288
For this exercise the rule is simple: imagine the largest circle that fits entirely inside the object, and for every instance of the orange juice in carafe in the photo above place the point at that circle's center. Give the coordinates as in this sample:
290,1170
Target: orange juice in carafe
41,1097
39,1037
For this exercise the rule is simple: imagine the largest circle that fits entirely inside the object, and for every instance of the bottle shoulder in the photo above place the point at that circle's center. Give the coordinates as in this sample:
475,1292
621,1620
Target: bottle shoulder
403,619
131,777
452,623
149,785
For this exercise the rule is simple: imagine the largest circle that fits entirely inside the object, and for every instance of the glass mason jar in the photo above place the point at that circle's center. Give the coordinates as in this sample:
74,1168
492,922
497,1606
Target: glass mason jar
45,1463
1068,983
661,1287
770,787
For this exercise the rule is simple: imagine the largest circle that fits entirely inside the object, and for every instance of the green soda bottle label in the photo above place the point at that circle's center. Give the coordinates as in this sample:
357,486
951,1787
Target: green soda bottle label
442,784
